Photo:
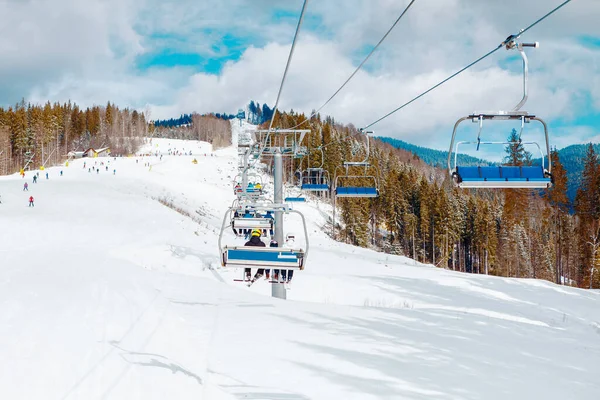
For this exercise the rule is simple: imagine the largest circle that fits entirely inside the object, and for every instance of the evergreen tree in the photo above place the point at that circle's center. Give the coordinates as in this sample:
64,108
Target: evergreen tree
515,151
267,113
515,199
558,199
557,194
587,200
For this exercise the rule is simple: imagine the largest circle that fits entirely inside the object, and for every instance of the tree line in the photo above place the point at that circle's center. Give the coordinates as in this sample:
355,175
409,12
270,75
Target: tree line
211,128
421,214
33,135
40,135
186,119
258,114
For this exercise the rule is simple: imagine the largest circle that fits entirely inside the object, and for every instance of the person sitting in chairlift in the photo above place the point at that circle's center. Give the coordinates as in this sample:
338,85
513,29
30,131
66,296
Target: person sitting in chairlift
254,242
268,271
290,242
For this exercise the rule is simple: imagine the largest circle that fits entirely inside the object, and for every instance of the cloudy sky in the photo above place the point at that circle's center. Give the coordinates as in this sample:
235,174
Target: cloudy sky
173,57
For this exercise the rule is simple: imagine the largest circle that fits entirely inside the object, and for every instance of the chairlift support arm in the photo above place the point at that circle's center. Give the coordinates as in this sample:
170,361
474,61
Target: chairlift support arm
512,43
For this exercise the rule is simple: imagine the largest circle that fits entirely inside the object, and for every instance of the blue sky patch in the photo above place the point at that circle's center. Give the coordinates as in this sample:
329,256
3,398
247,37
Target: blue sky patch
168,59
590,41
227,48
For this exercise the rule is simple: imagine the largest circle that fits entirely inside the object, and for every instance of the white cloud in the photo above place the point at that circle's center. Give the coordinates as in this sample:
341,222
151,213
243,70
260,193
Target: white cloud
85,51
319,68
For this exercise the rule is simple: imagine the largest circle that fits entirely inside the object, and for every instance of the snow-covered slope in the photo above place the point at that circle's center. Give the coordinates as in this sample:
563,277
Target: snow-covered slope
107,293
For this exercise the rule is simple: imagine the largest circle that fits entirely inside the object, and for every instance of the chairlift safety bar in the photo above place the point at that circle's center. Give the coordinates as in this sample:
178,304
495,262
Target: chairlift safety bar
500,116
505,142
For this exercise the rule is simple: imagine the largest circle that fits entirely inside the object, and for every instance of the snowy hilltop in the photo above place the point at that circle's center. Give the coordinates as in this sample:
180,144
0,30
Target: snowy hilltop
111,287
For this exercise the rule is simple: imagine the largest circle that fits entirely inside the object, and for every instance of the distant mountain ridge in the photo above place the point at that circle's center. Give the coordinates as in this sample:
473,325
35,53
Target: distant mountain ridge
572,158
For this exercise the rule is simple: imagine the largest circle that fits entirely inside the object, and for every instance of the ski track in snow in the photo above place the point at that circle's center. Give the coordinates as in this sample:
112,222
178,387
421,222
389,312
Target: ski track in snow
105,293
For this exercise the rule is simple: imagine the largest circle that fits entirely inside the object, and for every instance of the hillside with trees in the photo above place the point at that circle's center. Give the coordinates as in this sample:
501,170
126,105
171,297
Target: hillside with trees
186,119
45,134
209,128
258,114
573,161
421,214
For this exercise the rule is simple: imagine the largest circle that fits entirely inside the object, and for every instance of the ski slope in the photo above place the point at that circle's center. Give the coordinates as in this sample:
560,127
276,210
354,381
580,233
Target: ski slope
105,293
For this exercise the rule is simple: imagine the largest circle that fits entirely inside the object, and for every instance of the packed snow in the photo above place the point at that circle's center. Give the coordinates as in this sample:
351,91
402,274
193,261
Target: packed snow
106,293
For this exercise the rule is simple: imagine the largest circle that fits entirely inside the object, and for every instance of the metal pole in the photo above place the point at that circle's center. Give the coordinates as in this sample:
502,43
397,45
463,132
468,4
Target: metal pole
278,289
245,172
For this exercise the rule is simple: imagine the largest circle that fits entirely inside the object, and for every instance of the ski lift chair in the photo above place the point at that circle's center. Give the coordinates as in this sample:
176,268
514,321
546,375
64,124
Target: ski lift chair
503,176
243,224
295,200
263,257
294,195
315,179
342,188
253,181
492,177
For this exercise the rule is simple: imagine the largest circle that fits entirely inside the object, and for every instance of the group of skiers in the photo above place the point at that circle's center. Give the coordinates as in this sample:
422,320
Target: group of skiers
26,185
96,169
35,179
255,241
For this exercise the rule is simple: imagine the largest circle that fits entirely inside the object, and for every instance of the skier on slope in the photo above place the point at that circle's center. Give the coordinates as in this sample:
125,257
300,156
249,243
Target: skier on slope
26,187
31,201
254,242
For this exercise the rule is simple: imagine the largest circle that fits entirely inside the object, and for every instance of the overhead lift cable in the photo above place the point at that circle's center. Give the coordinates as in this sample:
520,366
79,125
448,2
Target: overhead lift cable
504,43
359,67
287,66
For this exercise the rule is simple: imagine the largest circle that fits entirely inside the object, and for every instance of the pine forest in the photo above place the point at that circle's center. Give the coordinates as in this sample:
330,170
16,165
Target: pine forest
419,213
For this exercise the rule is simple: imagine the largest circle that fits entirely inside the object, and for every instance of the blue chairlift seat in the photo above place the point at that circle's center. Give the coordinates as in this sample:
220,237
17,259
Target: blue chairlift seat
511,172
353,191
491,173
295,200
503,177
534,173
315,187
274,257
